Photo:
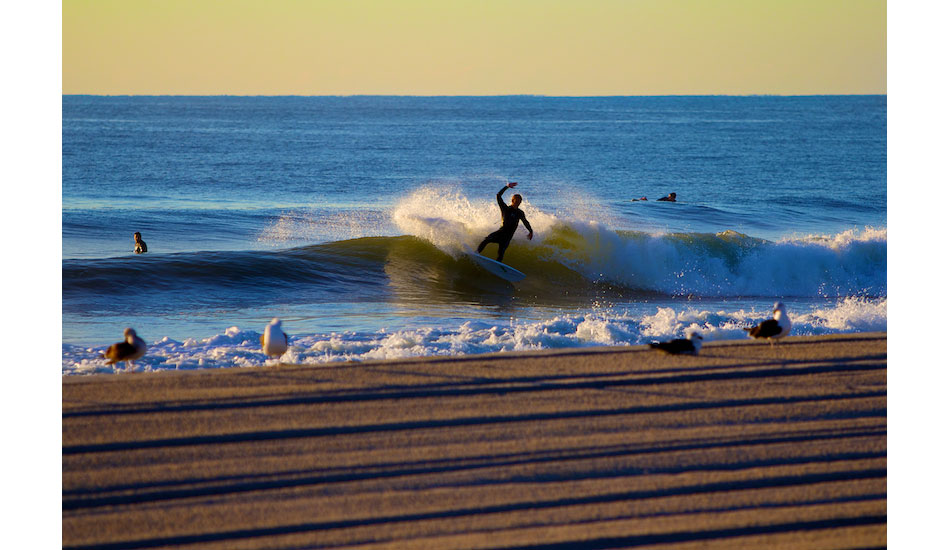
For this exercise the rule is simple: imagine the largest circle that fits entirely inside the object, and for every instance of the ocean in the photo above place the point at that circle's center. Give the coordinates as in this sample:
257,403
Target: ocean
346,217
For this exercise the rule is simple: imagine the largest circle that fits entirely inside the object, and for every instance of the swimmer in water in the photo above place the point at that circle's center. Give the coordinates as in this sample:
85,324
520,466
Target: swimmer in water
140,246
510,216
669,198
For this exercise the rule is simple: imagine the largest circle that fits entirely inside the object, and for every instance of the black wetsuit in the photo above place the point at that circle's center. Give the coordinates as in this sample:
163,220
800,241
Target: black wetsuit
510,216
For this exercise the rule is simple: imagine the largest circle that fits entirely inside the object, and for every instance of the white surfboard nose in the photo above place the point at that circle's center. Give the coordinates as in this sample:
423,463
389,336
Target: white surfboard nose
495,267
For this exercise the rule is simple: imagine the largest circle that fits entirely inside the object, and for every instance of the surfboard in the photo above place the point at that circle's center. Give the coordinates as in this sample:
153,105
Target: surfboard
497,268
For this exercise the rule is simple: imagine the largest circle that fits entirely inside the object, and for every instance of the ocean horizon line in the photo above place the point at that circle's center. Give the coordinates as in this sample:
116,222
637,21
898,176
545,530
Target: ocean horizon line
487,96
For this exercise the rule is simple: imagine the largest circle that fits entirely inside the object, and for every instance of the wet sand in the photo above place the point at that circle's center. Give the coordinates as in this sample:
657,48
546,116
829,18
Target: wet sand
744,446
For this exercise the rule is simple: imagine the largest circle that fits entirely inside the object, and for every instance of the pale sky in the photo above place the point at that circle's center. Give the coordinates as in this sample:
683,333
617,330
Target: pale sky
474,47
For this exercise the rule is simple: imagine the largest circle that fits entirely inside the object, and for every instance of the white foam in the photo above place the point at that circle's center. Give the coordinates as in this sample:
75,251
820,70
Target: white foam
849,315
241,348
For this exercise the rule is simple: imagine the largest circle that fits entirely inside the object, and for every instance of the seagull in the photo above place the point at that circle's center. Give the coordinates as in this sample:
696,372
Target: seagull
680,345
131,349
777,327
274,341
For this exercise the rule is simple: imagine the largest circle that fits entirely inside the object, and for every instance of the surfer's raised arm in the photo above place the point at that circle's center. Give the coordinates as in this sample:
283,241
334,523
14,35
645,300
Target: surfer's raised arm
501,201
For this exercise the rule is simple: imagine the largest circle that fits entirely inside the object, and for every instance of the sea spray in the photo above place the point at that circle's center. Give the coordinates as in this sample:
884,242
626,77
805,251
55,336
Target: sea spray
445,216
315,225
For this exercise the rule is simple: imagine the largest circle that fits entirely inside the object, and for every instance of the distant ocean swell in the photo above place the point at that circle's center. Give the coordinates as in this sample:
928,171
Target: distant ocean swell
238,347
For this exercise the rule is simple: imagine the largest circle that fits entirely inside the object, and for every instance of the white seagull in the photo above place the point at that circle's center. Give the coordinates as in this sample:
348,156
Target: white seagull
777,327
681,345
274,341
131,349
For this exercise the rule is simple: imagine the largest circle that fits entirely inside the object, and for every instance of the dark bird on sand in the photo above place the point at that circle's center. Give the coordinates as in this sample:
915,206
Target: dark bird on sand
777,327
131,349
680,345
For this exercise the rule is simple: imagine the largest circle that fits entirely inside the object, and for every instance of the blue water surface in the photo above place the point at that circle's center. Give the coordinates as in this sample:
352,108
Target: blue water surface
200,175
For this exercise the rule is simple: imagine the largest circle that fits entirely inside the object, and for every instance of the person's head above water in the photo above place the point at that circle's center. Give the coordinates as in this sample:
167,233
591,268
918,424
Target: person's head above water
137,236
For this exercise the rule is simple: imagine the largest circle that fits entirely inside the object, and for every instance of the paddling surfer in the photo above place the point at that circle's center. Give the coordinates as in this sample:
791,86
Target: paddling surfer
510,216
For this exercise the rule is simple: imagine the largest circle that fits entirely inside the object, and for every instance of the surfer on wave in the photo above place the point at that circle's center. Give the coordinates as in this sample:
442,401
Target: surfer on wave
510,215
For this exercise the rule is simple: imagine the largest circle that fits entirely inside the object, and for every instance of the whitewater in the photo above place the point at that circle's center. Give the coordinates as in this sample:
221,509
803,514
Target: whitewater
347,217
571,261
241,348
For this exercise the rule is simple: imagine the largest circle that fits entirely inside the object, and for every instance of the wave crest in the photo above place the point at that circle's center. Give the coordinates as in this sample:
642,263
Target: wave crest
728,263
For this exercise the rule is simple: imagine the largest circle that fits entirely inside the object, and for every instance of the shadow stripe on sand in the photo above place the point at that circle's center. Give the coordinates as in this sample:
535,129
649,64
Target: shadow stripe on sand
521,457
383,469
271,435
714,534
297,481
739,485
503,386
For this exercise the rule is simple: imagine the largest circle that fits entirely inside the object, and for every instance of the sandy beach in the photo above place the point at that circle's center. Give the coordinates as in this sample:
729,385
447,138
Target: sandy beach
745,446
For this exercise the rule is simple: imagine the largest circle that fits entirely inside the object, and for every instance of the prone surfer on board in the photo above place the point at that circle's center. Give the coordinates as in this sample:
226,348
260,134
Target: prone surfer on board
510,215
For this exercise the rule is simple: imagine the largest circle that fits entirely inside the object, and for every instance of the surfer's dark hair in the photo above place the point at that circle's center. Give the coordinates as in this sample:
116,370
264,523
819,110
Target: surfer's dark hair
517,196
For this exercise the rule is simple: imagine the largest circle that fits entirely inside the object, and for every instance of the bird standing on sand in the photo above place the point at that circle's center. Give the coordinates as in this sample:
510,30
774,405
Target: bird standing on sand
681,345
274,341
128,351
777,327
